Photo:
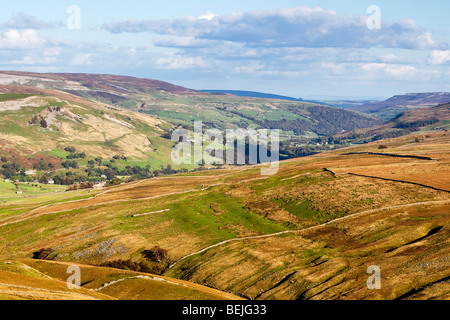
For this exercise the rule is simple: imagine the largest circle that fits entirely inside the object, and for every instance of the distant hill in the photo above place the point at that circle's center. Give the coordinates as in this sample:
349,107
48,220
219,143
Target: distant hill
252,94
40,119
394,106
262,95
121,126
345,104
425,119
101,83
181,106
52,135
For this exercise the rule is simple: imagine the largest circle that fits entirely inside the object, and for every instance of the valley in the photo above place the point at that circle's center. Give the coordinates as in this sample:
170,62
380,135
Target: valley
88,181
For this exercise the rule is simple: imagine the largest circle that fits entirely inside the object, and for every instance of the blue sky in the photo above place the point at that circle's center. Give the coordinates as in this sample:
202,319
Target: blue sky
306,49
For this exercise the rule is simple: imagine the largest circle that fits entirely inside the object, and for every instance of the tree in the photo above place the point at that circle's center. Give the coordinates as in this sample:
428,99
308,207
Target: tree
70,149
156,254
113,182
43,253
44,123
34,120
167,136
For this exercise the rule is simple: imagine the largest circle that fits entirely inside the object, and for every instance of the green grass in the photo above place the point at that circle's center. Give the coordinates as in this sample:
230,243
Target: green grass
13,96
8,190
300,209
193,214
190,213
275,181
11,212
58,153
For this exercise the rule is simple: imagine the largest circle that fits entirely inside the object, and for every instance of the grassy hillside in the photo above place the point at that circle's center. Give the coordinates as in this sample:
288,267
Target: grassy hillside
37,130
183,106
120,127
419,120
392,107
46,280
47,122
305,233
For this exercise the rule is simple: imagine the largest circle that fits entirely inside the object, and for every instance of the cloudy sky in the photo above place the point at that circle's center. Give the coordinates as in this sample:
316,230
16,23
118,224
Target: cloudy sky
308,49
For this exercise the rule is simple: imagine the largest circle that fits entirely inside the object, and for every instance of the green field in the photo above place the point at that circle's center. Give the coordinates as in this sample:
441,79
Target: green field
13,96
8,190
58,153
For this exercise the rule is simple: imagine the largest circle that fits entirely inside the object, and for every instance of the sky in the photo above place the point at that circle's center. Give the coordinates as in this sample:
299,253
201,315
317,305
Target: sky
310,49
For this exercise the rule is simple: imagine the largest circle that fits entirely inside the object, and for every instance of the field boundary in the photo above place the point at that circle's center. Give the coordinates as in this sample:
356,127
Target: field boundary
388,155
401,181
303,230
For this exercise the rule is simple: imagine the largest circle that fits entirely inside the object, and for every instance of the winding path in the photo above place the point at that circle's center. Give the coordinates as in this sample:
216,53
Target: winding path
5,223
307,229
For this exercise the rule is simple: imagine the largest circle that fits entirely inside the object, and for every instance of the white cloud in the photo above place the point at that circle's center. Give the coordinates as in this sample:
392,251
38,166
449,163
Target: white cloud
438,57
390,57
182,42
289,27
252,68
298,48
14,39
179,62
82,59
208,16
26,21
425,41
299,42
335,68
394,70
31,60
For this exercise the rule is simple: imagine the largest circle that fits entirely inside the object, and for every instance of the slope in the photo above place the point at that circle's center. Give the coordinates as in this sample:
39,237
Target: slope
38,126
304,233
46,280
183,106
423,120
392,107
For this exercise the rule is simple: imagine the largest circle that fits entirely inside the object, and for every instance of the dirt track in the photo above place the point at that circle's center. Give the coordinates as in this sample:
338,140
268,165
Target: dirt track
30,214
303,230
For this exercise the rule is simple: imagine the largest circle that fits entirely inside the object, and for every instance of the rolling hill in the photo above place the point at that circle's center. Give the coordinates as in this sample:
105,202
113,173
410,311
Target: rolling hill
50,135
389,109
28,279
45,119
310,232
118,126
252,94
183,106
417,120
